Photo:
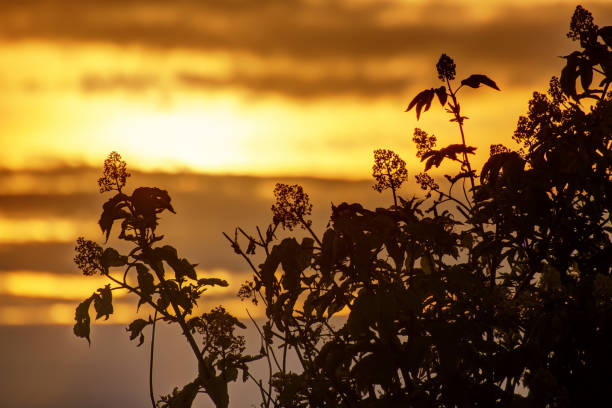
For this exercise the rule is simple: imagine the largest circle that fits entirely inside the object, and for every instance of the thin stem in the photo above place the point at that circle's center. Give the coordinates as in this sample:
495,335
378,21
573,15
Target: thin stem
151,394
307,226
457,112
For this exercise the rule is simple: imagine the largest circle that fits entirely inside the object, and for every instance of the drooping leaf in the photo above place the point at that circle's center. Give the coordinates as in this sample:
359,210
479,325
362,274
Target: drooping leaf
181,267
475,80
427,264
510,163
113,210
103,303
569,74
435,157
606,34
585,70
146,282
135,329
422,100
441,94
110,257
82,325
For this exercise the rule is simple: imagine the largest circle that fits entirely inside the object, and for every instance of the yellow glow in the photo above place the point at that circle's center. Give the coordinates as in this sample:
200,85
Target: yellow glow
77,287
50,285
210,138
43,229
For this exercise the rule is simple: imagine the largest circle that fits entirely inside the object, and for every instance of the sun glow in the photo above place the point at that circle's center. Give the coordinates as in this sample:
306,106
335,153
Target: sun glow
203,139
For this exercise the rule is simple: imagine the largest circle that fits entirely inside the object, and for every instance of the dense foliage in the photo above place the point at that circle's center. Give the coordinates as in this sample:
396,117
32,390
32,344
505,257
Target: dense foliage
498,295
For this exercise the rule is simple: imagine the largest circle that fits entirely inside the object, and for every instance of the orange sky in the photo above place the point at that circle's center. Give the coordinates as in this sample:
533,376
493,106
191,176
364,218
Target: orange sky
275,88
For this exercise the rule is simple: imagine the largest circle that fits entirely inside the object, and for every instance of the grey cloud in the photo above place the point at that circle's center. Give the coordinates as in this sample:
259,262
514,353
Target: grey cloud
39,256
359,85
518,44
297,28
206,206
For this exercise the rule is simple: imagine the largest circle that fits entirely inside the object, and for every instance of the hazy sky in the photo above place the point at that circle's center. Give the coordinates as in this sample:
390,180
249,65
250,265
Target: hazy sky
216,100
261,87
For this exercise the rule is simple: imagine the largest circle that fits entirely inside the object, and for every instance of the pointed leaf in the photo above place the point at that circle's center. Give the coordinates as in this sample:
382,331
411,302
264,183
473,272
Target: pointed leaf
81,327
103,303
606,34
113,210
475,80
110,257
146,282
441,94
585,71
135,328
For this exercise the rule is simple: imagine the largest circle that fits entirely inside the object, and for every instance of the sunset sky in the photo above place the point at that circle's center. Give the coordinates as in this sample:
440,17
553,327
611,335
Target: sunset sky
216,100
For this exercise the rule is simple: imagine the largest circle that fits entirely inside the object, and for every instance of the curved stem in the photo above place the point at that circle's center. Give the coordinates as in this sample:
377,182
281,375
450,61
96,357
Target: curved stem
151,394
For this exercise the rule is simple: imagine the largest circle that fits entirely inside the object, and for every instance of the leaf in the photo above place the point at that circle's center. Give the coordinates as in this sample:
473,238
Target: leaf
441,94
135,328
146,282
475,80
606,34
81,327
103,303
423,99
569,74
435,157
212,282
113,210
585,70
181,267
184,398
427,264
110,257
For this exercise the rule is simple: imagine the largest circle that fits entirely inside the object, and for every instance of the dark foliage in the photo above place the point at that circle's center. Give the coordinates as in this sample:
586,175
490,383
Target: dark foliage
498,296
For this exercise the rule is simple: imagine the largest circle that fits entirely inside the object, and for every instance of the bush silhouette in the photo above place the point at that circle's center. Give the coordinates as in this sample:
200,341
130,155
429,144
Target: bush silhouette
499,295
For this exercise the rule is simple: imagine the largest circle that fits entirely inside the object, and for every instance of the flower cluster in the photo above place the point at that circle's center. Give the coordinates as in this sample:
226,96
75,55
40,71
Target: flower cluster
424,143
88,257
389,170
426,182
292,206
497,149
446,68
115,173
582,27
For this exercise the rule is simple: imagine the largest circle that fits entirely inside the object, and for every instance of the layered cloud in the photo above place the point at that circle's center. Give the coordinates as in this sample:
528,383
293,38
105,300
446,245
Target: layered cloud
517,42
39,282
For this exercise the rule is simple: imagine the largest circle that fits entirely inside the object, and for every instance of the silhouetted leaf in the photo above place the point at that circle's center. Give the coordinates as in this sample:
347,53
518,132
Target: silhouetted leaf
110,257
585,70
212,282
103,303
181,267
441,94
606,34
423,99
427,264
113,210
135,329
475,80
146,282
81,327
435,157
569,74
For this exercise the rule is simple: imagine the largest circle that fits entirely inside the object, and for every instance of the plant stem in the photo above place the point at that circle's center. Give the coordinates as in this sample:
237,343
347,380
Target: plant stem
459,119
151,394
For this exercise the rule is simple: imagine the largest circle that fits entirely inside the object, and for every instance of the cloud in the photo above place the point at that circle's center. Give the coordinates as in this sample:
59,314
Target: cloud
518,43
206,206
